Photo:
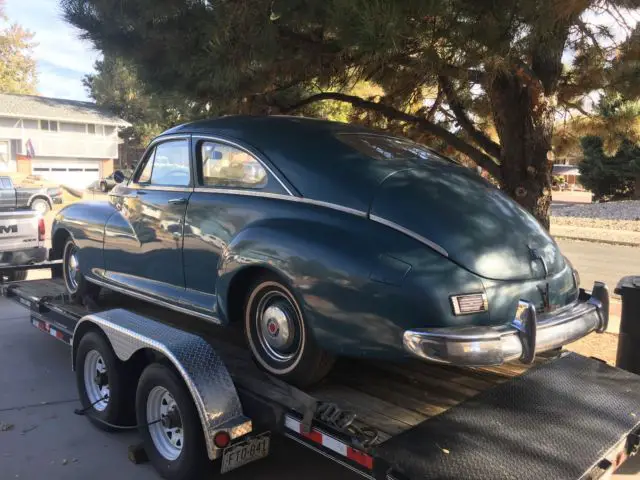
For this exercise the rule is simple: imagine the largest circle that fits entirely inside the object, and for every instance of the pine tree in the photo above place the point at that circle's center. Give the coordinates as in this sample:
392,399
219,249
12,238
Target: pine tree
483,77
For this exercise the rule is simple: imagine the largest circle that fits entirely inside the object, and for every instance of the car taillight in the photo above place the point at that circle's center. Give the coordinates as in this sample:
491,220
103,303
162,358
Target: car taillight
466,304
41,230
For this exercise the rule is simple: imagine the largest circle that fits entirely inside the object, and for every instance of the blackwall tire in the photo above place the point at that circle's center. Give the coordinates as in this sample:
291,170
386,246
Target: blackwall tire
188,459
95,356
278,336
77,285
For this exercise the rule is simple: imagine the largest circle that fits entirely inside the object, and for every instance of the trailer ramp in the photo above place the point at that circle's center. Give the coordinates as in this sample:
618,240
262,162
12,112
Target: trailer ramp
551,422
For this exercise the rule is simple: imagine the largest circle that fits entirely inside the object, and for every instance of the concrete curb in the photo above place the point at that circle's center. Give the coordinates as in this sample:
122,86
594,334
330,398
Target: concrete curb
598,240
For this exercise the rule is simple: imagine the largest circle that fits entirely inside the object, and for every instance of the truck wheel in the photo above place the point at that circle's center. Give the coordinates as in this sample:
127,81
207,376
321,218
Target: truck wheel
175,445
105,385
279,337
40,205
77,286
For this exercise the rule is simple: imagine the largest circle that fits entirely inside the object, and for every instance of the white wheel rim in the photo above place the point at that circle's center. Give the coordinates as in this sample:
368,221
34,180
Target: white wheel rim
73,269
96,380
168,434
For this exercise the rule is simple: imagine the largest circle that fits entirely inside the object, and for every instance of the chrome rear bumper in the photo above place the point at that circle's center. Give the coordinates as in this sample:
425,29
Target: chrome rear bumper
520,340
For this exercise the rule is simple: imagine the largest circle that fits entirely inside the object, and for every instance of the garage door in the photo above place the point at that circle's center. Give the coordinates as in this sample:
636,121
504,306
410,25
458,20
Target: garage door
72,174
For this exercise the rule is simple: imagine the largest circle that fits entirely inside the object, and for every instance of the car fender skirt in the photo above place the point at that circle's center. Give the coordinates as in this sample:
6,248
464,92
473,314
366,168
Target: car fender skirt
202,370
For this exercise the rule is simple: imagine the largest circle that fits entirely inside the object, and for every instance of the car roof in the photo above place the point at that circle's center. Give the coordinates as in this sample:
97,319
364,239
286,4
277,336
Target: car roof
307,153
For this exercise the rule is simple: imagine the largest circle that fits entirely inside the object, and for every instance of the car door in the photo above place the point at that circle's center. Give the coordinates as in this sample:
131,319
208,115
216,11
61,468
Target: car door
143,241
231,181
7,193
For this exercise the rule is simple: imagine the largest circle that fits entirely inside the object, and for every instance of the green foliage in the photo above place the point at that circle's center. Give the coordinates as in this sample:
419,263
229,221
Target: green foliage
483,66
18,72
116,87
609,177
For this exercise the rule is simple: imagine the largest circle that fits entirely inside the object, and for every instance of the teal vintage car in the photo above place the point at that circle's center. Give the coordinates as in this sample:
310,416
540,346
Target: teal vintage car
323,240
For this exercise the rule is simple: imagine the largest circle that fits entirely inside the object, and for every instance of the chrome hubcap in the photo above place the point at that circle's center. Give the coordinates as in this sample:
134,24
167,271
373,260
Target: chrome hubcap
167,435
276,327
96,380
73,269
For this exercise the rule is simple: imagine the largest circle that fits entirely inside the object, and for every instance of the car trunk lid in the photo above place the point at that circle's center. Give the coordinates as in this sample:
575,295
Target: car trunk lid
478,226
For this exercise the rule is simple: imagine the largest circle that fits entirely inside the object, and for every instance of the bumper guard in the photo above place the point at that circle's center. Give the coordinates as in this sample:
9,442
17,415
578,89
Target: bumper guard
525,336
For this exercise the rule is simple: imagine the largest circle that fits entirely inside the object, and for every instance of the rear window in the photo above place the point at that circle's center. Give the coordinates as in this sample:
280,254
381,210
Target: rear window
380,147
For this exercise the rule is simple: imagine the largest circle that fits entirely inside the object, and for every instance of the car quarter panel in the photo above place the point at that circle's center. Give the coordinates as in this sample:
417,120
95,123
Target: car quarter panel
353,277
85,222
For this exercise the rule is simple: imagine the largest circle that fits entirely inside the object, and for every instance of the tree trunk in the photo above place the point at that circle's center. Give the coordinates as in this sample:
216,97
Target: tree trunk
524,118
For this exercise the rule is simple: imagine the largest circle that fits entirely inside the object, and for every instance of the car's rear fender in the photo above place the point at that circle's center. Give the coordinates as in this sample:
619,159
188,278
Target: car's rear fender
355,300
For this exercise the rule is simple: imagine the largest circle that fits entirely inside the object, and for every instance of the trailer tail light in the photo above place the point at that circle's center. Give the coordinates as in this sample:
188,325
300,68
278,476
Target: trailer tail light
221,439
41,229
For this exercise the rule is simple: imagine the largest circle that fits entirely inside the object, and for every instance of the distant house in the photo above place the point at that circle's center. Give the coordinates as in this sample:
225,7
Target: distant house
65,141
570,174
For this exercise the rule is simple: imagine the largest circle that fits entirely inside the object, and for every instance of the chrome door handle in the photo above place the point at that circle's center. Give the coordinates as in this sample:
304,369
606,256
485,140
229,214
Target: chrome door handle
177,201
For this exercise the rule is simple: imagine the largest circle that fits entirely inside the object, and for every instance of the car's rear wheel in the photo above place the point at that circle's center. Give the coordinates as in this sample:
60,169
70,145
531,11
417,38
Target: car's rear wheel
279,338
40,205
77,285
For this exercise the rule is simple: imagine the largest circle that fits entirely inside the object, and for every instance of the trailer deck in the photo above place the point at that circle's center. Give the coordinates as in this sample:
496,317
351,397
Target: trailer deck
413,420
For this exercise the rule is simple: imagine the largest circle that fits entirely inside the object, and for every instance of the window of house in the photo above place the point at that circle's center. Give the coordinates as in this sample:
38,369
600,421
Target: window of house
227,166
50,125
91,128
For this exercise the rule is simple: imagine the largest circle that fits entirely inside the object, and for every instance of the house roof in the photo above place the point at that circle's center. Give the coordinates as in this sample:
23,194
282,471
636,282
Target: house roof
45,108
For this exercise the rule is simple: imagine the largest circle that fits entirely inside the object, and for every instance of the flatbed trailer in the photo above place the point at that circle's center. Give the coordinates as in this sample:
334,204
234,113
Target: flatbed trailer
563,417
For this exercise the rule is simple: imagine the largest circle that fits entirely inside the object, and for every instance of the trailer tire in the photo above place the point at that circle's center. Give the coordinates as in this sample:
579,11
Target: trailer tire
160,387
77,285
93,355
17,276
278,335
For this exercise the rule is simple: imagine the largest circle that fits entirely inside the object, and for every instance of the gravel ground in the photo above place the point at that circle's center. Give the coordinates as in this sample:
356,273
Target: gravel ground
603,223
623,210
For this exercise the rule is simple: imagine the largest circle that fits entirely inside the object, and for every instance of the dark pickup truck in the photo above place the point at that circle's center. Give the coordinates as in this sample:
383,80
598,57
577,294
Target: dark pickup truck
36,198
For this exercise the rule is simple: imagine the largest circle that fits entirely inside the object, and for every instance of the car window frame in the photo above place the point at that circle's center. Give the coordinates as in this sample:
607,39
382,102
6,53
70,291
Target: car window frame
149,153
274,181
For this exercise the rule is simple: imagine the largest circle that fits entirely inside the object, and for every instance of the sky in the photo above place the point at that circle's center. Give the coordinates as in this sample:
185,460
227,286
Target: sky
63,59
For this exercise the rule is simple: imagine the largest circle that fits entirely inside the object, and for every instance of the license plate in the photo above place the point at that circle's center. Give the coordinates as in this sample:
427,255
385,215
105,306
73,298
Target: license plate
245,452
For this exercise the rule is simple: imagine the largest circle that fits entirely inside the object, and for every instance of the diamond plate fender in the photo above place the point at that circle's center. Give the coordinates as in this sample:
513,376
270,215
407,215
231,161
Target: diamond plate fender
202,369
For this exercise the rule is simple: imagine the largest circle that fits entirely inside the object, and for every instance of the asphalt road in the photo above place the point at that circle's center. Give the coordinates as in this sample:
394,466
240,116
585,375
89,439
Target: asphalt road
41,437
599,261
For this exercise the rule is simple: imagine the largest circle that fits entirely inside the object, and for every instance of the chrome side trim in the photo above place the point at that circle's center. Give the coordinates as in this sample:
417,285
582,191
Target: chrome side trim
415,236
279,196
197,137
160,188
147,298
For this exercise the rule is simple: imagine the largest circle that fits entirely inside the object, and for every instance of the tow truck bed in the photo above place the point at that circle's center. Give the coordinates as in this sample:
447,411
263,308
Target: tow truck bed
563,418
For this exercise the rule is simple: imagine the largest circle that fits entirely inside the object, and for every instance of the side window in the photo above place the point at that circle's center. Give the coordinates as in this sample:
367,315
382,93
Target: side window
5,183
227,166
171,164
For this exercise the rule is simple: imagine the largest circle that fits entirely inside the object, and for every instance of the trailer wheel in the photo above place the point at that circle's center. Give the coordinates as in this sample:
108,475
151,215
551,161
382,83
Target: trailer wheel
17,276
77,286
279,337
104,383
175,445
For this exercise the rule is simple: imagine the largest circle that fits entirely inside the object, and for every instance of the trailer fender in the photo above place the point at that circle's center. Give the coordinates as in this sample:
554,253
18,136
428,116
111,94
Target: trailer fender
203,371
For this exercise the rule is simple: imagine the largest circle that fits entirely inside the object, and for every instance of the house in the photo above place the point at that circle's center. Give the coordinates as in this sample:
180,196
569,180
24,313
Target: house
68,142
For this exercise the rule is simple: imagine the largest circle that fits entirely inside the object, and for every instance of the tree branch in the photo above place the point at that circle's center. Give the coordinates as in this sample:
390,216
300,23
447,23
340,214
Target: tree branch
577,107
481,158
488,145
